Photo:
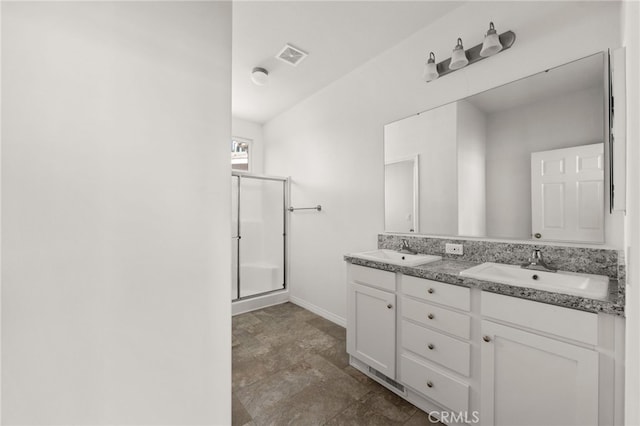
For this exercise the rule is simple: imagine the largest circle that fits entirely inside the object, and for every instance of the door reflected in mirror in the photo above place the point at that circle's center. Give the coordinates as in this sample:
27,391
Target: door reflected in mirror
475,171
401,195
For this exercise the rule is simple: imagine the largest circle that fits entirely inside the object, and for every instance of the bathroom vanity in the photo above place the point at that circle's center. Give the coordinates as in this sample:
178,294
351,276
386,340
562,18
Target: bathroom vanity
480,352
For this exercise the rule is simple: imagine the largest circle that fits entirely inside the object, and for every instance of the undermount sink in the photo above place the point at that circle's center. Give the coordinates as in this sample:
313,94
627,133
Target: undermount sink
584,285
396,257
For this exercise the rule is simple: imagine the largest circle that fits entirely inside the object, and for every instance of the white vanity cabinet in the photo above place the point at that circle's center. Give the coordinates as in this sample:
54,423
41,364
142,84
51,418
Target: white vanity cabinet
485,358
434,347
371,318
540,364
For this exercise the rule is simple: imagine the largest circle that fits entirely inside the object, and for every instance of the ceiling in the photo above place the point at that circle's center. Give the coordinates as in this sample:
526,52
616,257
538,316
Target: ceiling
339,36
572,77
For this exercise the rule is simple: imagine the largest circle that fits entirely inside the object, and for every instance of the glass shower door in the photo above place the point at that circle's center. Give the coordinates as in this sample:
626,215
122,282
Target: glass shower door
259,235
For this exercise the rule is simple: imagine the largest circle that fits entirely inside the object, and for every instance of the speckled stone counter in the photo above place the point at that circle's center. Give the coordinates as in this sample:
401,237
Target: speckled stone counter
448,271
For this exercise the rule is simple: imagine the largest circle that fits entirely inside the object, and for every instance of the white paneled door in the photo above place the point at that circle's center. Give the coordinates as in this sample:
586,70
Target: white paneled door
567,194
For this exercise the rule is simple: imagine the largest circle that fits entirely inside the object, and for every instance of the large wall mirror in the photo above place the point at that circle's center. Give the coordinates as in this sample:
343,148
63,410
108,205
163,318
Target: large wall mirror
521,161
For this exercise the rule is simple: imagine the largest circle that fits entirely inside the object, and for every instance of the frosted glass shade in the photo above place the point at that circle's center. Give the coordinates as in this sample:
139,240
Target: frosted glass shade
430,68
430,71
458,58
491,44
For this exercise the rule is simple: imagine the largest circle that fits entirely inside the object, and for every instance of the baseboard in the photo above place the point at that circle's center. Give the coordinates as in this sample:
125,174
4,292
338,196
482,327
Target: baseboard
319,311
253,304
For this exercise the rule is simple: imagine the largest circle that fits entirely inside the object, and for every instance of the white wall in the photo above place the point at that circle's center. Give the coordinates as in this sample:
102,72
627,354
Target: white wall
331,143
115,196
570,120
631,40
472,186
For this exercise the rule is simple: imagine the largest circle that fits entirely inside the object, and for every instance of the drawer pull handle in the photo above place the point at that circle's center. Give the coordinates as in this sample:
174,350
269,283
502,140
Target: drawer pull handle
431,316
430,291
430,384
431,346
389,306
486,338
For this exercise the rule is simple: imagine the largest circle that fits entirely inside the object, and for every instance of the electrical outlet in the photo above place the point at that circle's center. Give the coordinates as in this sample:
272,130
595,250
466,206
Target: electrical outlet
453,249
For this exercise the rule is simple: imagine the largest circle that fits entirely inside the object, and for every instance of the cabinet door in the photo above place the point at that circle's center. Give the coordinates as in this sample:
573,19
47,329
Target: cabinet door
529,379
371,328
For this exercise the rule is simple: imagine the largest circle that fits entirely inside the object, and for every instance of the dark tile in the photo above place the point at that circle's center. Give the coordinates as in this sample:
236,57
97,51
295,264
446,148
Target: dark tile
330,374
290,366
306,336
239,415
249,348
387,403
362,378
314,405
360,414
246,372
332,329
278,387
337,355
246,322
420,418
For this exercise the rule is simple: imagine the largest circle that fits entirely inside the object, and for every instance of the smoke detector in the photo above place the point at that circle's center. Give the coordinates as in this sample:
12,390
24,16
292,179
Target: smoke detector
291,55
259,76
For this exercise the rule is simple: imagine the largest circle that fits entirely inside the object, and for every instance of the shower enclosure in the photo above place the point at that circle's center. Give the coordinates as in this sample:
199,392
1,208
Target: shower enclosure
258,221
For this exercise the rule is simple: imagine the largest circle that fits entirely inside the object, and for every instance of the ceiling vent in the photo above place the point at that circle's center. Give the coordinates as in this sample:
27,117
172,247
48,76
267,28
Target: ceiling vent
291,55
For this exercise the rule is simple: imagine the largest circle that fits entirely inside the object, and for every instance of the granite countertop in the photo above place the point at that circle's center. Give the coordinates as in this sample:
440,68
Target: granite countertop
448,271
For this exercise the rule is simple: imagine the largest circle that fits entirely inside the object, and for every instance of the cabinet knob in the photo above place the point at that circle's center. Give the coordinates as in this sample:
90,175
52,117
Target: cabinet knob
486,338
431,346
389,306
430,384
430,291
537,235
431,316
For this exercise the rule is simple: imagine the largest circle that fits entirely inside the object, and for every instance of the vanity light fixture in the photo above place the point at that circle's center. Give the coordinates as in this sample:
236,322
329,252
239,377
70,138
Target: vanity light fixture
259,76
430,68
493,43
458,57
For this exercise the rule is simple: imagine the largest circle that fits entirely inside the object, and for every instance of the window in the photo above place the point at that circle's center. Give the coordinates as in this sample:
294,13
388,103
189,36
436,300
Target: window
240,154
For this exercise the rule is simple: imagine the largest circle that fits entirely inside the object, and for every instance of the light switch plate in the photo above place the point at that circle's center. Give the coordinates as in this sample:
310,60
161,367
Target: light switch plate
453,249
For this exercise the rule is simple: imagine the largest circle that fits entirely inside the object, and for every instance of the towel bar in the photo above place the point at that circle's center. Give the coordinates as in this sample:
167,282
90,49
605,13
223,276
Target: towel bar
318,207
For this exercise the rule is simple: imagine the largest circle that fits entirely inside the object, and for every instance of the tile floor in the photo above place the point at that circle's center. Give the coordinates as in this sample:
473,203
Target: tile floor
290,367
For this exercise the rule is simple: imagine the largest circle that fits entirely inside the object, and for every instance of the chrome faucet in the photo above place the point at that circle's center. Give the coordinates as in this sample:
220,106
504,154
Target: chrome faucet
536,262
406,249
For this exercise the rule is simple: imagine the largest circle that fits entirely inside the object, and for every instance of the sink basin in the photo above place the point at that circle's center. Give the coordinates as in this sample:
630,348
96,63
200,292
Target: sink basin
396,258
584,285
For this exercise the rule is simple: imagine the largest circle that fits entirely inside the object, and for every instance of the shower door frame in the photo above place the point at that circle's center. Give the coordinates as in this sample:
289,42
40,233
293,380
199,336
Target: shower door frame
238,237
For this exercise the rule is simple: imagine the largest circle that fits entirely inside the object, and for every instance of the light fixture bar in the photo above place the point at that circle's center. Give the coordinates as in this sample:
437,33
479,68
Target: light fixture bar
473,55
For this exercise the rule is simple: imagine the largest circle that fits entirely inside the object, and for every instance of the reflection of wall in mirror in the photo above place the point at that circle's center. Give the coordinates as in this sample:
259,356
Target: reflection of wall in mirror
512,135
431,135
472,142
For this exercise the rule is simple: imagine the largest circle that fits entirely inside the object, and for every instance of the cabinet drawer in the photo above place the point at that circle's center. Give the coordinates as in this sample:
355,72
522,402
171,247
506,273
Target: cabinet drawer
436,347
433,316
569,323
437,292
446,390
374,277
